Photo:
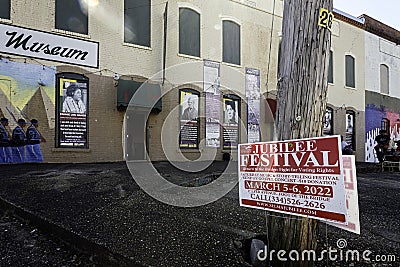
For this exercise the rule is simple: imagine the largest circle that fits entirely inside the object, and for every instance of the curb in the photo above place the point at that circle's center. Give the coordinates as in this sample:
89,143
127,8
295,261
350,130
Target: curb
102,255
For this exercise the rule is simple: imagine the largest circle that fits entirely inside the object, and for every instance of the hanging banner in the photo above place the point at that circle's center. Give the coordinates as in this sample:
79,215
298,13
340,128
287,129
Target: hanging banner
350,183
211,87
253,105
231,122
301,177
189,124
72,113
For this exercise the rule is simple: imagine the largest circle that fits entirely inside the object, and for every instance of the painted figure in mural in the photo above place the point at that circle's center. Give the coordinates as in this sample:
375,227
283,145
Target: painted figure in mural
230,112
5,150
382,144
18,142
73,102
33,137
190,113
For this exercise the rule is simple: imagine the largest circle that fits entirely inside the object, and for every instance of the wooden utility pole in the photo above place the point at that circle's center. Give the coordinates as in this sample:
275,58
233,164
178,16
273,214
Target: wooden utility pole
302,90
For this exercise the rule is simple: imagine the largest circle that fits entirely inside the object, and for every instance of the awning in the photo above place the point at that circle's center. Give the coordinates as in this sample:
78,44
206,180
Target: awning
144,98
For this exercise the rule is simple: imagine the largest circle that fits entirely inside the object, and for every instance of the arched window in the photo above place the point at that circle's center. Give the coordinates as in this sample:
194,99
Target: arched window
72,110
384,78
189,118
231,42
72,15
189,32
328,122
231,119
350,72
137,22
351,129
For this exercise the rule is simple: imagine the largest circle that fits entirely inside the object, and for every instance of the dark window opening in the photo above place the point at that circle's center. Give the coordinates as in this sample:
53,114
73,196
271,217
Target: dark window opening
350,72
5,9
72,15
330,67
137,22
351,129
189,32
328,122
231,42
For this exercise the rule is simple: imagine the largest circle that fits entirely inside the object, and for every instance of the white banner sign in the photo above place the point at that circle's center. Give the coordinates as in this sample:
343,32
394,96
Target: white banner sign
301,177
350,183
31,43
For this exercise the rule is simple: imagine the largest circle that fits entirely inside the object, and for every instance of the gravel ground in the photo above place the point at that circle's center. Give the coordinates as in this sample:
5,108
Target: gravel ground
23,245
102,203
379,194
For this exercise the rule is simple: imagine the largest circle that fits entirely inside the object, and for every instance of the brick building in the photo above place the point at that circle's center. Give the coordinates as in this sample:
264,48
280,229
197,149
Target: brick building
110,48
217,55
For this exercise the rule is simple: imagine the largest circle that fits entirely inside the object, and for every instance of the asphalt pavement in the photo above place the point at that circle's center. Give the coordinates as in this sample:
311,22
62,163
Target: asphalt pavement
100,209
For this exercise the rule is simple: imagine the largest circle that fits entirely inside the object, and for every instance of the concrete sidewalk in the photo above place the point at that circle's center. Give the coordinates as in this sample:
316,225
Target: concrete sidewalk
100,207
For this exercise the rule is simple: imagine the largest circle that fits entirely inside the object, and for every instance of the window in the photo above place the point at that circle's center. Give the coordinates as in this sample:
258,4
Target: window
231,117
328,122
385,125
384,79
71,15
137,24
189,32
72,103
189,118
279,59
350,72
231,42
350,129
5,9
330,67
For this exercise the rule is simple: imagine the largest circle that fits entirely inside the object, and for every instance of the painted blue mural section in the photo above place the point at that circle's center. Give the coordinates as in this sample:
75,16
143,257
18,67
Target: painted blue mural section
373,117
374,113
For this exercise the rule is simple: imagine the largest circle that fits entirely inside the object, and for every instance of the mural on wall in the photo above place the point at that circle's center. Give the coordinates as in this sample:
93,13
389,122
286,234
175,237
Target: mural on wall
20,82
373,120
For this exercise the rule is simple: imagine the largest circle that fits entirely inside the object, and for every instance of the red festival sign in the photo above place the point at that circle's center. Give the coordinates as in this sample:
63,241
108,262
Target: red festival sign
300,177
